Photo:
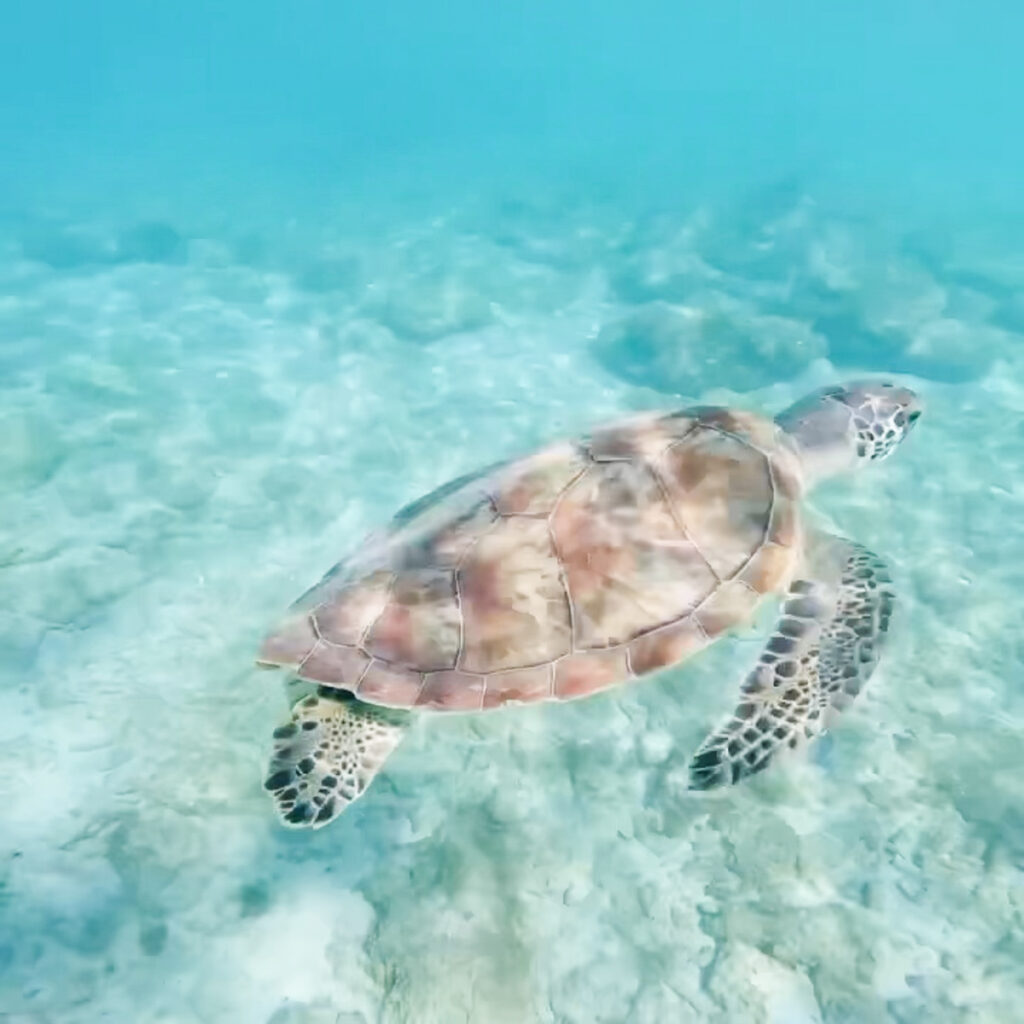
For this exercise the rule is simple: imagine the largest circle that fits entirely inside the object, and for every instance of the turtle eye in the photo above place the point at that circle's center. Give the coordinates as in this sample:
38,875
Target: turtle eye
914,416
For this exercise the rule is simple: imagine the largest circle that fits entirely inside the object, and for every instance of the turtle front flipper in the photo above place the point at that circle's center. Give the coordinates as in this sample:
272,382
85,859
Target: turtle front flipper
328,754
825,646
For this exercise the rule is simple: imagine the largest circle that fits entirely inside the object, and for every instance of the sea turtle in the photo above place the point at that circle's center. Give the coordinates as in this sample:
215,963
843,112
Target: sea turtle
587,564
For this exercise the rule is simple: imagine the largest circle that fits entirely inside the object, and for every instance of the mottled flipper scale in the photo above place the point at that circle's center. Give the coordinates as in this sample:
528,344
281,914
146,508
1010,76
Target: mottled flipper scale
327,755
825,646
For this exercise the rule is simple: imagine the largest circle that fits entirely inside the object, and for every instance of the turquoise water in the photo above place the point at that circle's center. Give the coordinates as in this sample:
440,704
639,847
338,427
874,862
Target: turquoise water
268,273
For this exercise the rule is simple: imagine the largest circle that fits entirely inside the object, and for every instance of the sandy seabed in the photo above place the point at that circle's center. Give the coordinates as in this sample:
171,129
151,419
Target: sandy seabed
198,422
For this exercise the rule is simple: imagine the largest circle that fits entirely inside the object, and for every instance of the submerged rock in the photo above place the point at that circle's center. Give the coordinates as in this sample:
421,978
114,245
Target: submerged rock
1010,314
942,349
718,344
79,247
661,261
432,305
63,247
330,274
153,242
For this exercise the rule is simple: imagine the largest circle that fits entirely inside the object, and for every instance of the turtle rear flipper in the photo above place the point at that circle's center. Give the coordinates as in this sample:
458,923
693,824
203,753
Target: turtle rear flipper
327,755
825,646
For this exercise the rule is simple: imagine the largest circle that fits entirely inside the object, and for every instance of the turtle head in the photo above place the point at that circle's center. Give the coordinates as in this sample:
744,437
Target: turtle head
844,428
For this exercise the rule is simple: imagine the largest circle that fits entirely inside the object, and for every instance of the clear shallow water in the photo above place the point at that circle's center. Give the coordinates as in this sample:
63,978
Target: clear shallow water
235,341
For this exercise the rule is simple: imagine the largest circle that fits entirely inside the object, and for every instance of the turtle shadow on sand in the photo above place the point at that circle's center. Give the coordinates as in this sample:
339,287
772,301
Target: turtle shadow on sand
719,341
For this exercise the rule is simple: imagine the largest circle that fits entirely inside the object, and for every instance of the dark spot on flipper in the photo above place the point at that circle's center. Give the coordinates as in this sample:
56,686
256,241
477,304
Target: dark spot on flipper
279,779
328,782
300,814
805,607
706,769
288,794
285,731
309,726
707,759
327,811
306,765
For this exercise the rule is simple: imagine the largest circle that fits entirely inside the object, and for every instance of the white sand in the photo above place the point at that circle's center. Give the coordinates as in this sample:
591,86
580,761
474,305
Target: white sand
189,443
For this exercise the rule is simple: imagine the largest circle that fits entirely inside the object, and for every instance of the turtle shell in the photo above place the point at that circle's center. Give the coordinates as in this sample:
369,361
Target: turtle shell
583,565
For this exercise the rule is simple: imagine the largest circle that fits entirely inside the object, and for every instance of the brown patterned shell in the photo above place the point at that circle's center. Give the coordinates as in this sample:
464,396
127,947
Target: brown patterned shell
559,574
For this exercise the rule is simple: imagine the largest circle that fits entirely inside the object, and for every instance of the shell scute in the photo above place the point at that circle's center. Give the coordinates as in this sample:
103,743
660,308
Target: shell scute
768,570
729,605
627,564
722,491
519,686
514,605
392,687
290,643
344,616
580,675
454,691
754,430
666,645
328,663
420,626
530,487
